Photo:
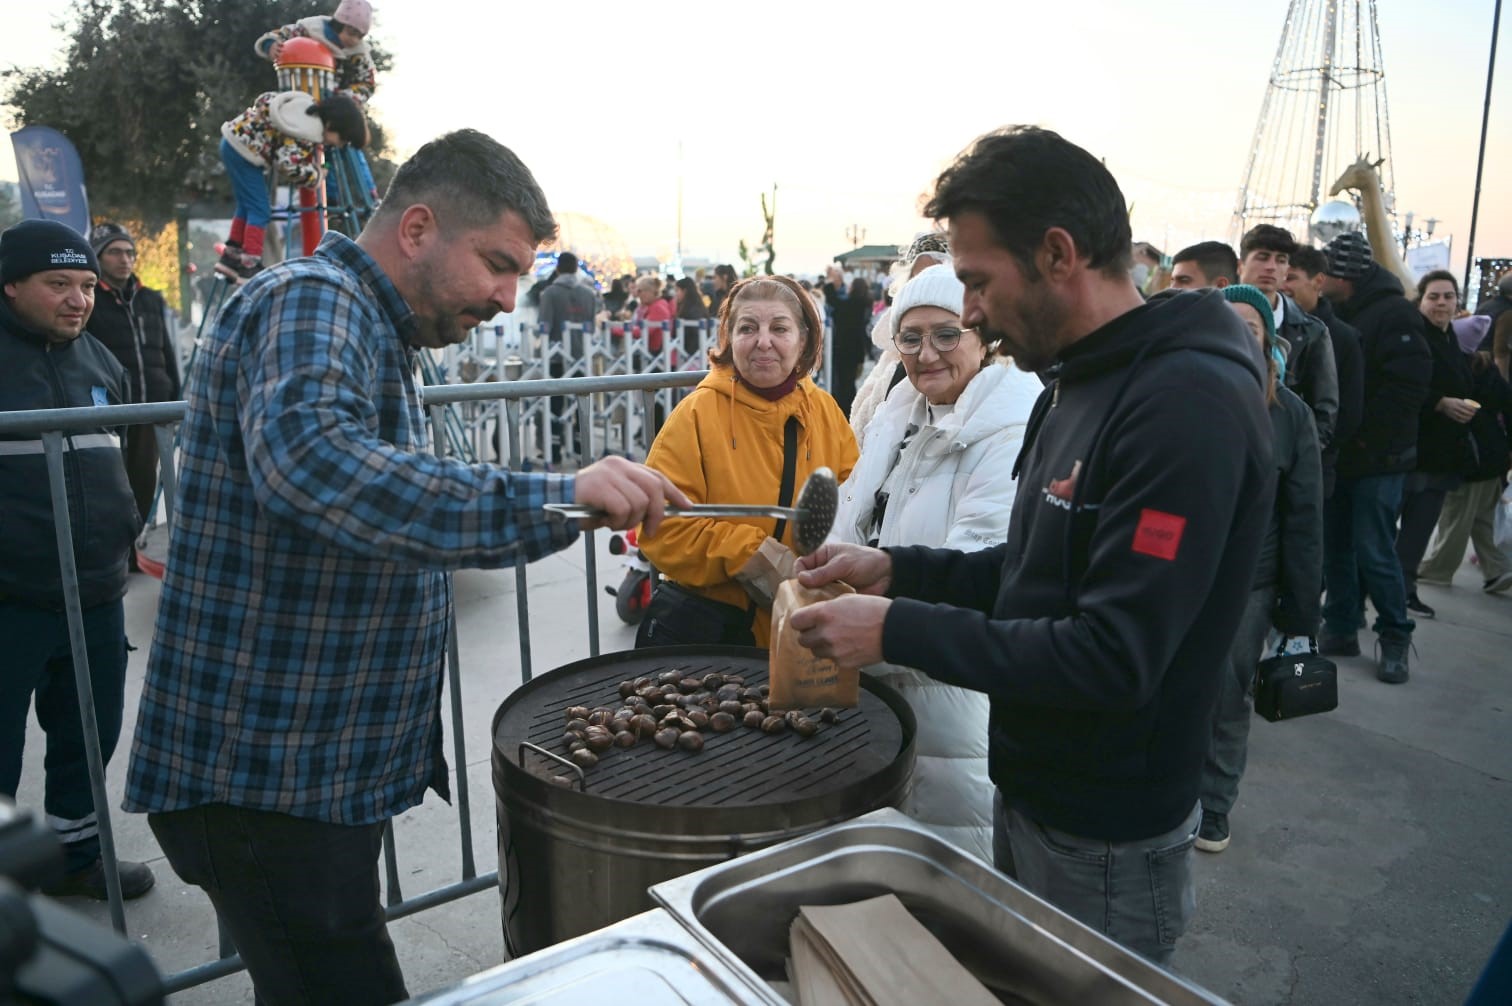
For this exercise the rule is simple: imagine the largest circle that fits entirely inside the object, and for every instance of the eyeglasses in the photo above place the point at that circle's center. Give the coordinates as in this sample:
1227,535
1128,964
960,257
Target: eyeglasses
123,252
910,341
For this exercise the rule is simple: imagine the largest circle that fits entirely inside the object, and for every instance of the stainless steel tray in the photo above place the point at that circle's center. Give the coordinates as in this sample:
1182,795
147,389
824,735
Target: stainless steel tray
647,959
1017,944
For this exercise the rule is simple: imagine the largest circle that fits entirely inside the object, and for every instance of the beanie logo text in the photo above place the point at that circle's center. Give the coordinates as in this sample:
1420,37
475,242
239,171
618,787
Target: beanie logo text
68,257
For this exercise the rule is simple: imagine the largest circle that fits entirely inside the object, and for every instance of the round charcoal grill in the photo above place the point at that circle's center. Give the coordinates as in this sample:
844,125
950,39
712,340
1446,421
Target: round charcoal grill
575,858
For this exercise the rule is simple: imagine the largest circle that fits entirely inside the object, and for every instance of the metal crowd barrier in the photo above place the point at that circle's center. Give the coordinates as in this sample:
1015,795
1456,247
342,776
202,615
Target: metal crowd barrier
512,398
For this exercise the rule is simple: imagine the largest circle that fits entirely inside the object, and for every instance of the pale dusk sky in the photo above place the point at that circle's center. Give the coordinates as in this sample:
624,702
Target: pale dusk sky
851,110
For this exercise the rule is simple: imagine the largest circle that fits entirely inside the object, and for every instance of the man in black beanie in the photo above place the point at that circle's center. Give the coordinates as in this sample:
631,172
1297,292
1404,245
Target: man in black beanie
131,319
48,274
1360,517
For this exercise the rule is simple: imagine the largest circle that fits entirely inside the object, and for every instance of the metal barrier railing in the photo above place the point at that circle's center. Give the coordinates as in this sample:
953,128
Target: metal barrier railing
52,425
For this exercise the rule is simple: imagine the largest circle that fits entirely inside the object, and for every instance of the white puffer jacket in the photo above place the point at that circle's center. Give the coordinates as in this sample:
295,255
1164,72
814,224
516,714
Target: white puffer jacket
955,490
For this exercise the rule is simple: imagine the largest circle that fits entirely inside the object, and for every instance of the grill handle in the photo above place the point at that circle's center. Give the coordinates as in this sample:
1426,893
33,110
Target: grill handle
578,769
577,510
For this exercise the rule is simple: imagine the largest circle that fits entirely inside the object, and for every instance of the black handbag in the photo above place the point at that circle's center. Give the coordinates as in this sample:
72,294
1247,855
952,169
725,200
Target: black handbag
1292,685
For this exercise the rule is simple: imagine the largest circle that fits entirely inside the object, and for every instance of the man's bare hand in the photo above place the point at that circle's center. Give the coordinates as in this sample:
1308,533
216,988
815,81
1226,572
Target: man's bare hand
848,629
1461,410
868,570
628,493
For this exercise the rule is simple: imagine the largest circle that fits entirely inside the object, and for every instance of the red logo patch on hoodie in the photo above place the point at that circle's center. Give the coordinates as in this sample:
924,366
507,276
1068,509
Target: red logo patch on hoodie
1159,534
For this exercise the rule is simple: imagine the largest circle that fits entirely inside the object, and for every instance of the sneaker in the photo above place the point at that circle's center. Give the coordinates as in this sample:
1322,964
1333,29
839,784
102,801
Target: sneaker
1339,646
1433,581
1213,835
1391,662
1499,585
1417,607
136,880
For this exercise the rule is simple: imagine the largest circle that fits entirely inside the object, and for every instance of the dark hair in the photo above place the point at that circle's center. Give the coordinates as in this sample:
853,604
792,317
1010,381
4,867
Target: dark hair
1309,259
693,306
567,262
1267,237
728,272
617,287
1025,180
781,288
860,290
1214,258
342,114
469,179
1433,277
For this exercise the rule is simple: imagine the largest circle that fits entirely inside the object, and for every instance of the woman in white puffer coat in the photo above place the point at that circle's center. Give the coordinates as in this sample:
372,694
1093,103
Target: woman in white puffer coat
936,470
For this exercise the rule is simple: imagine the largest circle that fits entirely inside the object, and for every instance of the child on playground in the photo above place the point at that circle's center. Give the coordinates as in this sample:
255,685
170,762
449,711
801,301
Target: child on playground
283,130
345,34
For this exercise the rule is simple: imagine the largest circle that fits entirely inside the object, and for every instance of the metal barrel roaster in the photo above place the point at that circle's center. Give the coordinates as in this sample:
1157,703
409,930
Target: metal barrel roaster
575,859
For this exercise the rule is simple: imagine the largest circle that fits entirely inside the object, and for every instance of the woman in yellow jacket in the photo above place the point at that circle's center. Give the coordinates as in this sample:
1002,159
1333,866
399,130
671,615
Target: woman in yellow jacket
728,442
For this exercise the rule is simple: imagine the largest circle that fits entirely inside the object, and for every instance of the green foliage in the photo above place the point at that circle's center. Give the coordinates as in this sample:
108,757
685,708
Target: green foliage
144,87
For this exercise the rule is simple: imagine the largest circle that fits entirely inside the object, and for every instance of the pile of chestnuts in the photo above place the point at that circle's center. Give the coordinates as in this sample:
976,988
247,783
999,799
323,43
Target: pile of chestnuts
673,710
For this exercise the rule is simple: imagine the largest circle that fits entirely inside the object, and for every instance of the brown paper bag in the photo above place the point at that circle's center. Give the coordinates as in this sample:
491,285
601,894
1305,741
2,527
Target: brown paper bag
798,679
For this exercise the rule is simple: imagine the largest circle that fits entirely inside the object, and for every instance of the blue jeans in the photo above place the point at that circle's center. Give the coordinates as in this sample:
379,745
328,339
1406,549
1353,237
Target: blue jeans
248,184
1137,893
1360,520
38,658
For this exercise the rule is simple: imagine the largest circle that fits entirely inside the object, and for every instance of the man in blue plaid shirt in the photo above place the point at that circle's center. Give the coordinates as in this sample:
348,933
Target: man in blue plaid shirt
291,702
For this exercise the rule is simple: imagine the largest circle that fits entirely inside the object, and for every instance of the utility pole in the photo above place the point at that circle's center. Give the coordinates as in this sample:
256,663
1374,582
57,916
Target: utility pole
1480,162
855,234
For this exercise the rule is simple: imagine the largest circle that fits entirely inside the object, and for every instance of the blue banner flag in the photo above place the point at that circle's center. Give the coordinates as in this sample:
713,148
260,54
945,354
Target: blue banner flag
52,179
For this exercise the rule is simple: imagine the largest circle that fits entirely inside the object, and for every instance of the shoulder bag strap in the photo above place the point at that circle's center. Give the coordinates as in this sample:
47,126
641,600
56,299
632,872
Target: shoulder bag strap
789,471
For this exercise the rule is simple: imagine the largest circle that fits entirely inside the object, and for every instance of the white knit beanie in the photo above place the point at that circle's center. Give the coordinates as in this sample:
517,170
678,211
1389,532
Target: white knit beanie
357,13
936,286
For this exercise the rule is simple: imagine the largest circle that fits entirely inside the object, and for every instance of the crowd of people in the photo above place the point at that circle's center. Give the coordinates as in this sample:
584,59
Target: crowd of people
1084,490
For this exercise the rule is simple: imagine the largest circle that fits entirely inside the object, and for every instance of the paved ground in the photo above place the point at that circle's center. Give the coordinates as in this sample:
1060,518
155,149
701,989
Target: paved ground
1372,852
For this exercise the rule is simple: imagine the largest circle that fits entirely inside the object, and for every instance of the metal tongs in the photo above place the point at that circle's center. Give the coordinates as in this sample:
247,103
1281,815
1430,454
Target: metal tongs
813,513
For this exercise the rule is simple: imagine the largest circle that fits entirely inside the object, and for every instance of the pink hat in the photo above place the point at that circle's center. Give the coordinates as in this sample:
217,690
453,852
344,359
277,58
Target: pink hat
1471,331
357,13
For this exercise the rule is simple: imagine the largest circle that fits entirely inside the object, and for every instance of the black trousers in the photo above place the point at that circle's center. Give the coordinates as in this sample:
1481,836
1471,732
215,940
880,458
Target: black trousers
141,456
299,897
1422,502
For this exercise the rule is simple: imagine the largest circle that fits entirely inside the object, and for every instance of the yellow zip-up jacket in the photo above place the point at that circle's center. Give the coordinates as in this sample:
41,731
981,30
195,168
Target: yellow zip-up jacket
723,444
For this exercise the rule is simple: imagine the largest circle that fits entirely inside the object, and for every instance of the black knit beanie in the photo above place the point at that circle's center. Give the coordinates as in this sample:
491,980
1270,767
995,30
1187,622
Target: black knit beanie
34,246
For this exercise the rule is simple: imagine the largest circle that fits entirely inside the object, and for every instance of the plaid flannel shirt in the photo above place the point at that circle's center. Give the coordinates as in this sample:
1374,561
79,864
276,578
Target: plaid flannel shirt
301,635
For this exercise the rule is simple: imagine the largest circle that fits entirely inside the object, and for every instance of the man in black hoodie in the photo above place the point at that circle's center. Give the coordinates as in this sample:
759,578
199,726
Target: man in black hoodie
1099,629
1305,274
1360,518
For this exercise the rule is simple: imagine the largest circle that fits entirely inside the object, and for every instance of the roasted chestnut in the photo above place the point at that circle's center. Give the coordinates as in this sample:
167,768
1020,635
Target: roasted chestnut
726,692
564,781
828,715
732,707
642,682
624,739
734,679
643,725
577,724
651,693
773,725
805,727
584,758
599,742
713,680
671,677
600,717
666,738
577,712
721,722
689,685
690,740
698,718
754,718
663,710
626,689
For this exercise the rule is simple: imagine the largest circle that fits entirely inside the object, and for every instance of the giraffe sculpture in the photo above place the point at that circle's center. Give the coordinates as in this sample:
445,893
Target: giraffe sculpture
1362,177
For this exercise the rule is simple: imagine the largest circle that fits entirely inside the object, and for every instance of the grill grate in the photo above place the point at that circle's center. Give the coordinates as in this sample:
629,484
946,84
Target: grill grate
743,767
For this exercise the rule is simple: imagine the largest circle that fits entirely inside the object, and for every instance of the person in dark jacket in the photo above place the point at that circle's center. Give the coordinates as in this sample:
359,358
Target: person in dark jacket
1264,255
1099,629
1499,339
132,321
1373,465
567,310
1446,450
48,361
1469,512
1287,585
1304,284
851,311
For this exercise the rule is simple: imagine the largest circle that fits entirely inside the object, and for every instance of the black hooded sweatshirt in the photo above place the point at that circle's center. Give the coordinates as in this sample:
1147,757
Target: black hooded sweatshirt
1397,366
1100,628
